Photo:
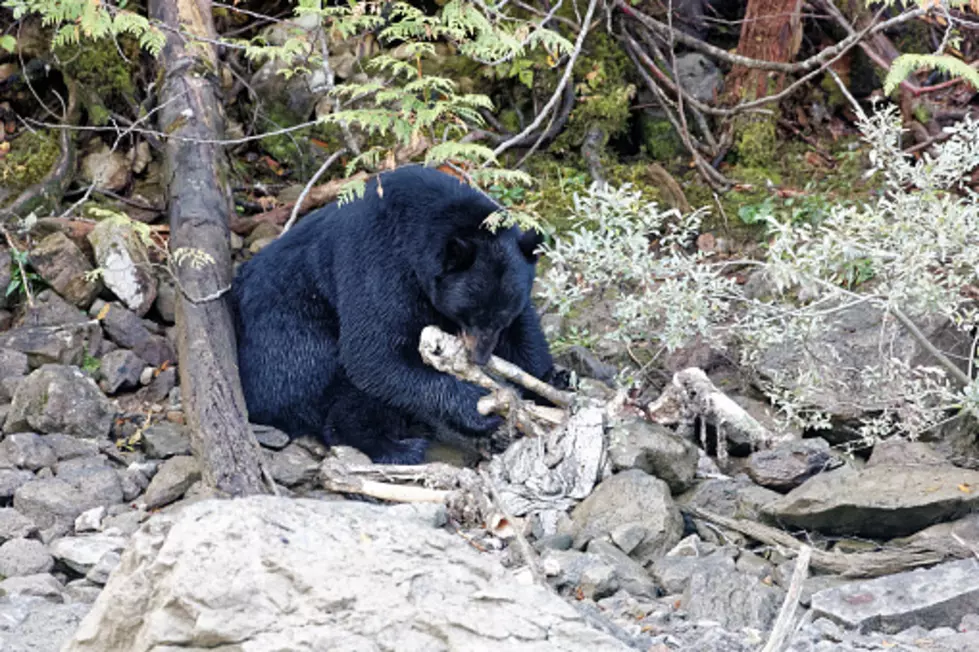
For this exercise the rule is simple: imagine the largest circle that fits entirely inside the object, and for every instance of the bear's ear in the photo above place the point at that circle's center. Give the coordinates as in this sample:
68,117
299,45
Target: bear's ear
529,241
459,255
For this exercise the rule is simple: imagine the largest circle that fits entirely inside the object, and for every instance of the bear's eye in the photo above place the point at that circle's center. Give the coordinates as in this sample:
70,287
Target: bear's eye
459,255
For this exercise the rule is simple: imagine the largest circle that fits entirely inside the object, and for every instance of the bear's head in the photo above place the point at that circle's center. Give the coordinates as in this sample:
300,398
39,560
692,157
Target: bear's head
484,283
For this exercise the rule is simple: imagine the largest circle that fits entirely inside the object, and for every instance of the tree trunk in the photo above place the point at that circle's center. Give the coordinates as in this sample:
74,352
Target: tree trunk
771,31
199,208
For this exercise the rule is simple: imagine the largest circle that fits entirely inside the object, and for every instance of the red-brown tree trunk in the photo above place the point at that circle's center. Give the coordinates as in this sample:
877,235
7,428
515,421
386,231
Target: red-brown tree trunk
771,31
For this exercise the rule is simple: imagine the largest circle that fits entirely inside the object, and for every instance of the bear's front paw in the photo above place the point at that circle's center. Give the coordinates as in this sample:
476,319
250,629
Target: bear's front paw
479,424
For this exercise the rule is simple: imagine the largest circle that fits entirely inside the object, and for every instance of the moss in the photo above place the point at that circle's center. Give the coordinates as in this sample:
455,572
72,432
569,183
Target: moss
30,159
756,141
104,78
660,139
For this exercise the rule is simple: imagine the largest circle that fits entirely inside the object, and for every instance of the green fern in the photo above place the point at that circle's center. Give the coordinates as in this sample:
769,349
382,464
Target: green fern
903,66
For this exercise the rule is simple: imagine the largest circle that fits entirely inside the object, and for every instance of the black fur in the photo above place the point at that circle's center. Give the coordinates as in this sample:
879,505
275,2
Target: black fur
328,316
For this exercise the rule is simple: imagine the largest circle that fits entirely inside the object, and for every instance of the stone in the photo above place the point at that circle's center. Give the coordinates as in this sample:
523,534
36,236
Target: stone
164,440
630,498
13,365
126,329
733,599
63,266
124,259
34,624
27,450
83,591
171,481
43,345
293,465
166,300
11,480
897,451
160,386
883,501
586,364
55,503
699,76
584,575
629,574
81,554
108,169
20,557
100,572
311,575
60,399
736,497
269,437
39,585
789,464
14,525
673,572
120,370
931,597
90,520
66,447
652,448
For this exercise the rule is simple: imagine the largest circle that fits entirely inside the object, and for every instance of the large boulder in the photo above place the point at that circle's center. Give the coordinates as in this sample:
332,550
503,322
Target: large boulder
64,267
268,573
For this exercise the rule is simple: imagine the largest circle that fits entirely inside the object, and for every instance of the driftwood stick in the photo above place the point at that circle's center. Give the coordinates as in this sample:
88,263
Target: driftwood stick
783,624
447,353
861,564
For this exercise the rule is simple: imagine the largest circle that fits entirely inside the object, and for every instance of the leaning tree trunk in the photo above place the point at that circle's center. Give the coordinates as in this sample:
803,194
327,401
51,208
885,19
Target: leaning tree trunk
772,31
199,208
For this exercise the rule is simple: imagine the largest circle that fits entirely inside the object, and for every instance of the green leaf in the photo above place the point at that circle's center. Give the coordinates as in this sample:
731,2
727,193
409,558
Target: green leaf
8,43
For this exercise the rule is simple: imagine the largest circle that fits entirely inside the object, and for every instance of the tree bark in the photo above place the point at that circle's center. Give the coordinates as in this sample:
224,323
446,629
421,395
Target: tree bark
772,31
199,208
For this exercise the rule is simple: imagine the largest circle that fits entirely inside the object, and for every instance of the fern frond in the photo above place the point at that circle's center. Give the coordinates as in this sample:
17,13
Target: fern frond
906,64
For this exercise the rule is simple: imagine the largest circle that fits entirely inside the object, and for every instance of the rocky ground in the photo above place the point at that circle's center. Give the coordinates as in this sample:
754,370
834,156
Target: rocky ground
101,504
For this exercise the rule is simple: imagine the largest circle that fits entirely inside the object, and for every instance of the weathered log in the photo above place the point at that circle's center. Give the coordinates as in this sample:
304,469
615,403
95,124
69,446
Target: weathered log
199,207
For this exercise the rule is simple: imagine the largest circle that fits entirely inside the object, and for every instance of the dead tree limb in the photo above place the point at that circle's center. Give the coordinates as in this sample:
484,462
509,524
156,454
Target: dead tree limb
199,208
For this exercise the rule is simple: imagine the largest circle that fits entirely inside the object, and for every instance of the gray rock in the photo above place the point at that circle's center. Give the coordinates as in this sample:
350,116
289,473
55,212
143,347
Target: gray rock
673,572
120,370
125,523
20,557
932,597
66,447
63,266
897,451
166,300
90,520
40,585
269,437
81,554
630,499
733,599
165,440
124,260
82,591
14,525
961,537
50,309
13,365
585,575
882,501
654,449
319,576
789,464
699,76
171,481
5,272
32,624
100,572
60,399
78,466
54,504
629,573
735,497
159,388
128,331
50,344
855,336
11,480
293,465
27,450
562,541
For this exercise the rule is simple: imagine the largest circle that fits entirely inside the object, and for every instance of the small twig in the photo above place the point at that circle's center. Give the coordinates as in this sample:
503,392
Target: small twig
309,185
526,550
783,624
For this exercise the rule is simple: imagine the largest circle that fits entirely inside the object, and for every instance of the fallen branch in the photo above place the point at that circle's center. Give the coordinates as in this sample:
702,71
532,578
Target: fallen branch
692,396
855,565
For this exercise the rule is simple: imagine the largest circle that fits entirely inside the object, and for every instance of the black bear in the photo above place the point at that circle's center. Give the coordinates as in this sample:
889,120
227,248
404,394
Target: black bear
328,316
